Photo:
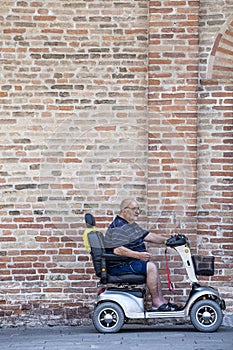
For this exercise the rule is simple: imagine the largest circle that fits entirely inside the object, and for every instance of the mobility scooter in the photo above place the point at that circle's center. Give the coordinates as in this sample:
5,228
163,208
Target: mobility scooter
123,297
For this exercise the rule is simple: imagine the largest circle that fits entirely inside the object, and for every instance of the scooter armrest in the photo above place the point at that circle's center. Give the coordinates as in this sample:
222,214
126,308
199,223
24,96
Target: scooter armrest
111,256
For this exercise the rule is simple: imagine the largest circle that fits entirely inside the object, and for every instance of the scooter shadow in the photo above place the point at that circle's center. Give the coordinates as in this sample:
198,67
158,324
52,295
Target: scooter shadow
185,328
156,329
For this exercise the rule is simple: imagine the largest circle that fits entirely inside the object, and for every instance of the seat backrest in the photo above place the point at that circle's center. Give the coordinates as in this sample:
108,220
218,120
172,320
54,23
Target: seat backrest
96,242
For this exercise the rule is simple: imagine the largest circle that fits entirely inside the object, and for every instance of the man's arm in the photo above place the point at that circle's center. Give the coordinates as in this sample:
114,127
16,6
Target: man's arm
155,238
123,251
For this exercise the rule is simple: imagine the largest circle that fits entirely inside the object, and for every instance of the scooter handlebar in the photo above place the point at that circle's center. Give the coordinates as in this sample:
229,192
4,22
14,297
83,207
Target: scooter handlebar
176,240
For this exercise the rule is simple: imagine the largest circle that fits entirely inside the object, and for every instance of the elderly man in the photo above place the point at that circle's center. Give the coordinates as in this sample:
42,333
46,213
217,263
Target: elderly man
126,238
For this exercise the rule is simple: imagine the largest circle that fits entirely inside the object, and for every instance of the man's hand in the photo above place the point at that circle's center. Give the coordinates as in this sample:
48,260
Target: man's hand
144,256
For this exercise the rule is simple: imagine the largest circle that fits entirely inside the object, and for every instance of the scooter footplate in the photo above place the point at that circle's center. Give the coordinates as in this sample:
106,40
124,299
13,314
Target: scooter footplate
165,314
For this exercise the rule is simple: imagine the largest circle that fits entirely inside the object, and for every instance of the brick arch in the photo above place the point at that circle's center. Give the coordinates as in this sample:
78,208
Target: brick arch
221,57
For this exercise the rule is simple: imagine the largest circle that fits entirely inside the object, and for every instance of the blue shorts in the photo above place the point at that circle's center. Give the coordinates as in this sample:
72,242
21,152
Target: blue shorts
137,267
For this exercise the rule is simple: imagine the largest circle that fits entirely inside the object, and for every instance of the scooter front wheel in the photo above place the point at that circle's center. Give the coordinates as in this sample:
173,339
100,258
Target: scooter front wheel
108,317
206,315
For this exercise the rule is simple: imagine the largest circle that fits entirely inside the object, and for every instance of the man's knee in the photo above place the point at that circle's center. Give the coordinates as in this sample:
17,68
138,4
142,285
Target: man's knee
152,268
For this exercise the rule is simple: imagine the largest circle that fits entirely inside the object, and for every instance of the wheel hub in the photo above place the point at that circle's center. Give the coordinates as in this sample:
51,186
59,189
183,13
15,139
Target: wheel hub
206,316
108,318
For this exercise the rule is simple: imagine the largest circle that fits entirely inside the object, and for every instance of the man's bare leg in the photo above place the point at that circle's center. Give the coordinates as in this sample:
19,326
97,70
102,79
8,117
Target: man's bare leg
154,285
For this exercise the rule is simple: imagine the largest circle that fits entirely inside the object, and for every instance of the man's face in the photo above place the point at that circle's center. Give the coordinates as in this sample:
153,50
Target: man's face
131,212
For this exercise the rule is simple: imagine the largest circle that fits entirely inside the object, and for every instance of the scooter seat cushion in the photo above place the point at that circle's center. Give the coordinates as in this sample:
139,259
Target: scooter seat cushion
127,278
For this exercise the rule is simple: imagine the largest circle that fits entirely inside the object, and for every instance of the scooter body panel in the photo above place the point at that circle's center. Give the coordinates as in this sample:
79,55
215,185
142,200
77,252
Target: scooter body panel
133,306
200,292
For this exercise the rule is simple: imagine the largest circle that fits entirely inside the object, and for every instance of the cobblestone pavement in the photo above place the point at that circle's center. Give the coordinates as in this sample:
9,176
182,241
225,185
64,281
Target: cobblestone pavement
131,337
228,320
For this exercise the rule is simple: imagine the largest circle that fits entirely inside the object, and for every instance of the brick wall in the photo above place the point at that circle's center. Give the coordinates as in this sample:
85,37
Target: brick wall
73,139
190,141
173,80
100,100
215,120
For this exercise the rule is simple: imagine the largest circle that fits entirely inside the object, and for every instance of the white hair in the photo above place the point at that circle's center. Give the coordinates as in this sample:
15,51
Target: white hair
125,203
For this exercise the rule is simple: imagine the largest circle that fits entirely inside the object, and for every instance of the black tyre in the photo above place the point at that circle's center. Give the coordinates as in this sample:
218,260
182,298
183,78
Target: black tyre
206,315
108,317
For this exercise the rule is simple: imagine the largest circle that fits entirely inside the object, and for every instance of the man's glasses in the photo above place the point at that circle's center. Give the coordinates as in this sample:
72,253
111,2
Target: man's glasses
134,209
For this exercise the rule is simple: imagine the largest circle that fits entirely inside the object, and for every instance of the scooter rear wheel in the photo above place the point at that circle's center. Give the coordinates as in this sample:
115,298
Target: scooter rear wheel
206,315
108,317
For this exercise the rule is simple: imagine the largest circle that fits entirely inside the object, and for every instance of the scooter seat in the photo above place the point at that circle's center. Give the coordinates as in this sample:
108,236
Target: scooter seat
127,278
101,258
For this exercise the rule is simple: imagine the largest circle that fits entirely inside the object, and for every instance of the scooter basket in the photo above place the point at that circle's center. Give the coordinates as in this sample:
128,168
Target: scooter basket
203,265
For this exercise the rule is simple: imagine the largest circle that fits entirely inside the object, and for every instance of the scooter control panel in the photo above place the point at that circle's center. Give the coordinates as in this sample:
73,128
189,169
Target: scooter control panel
177,240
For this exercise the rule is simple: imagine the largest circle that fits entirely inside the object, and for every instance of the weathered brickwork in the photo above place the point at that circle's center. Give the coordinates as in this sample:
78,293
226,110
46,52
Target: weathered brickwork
215,148
173,80
99,100
73,139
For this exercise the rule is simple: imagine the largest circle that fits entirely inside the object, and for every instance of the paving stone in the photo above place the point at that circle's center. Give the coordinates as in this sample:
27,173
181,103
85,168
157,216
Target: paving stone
131,337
